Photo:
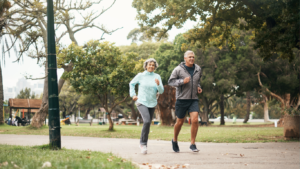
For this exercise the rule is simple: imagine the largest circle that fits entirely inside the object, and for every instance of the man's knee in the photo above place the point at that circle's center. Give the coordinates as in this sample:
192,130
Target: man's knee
194,121
180,121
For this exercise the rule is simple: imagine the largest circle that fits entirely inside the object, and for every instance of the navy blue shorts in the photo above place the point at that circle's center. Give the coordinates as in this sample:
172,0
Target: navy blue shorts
182,106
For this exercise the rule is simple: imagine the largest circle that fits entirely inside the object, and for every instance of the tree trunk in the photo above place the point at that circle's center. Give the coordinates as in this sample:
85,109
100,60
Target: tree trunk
87,112
266,109
134,114
40,116
204,113
166,102
111,124
1,98
248,107
222,121
287,100
166,116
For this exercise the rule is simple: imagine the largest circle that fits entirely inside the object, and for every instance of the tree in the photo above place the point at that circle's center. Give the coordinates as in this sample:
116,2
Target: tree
276,24
88,103
168,57
280,79
134,34
25,94
27,24
4,6
100,69
68,100
143,50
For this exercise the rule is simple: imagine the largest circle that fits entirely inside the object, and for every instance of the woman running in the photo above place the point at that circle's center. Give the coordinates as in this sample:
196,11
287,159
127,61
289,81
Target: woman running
149,84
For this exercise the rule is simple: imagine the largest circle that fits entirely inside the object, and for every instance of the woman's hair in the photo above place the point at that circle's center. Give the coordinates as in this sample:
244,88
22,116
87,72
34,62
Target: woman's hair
148,61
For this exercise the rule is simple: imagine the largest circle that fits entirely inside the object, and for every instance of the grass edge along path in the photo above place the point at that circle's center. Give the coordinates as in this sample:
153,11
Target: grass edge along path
27,157
205,134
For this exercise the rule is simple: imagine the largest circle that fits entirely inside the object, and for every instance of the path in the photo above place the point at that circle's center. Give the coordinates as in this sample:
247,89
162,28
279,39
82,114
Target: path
211,155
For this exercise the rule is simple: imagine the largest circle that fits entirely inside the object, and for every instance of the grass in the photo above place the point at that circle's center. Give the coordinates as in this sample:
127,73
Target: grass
205,134
34,157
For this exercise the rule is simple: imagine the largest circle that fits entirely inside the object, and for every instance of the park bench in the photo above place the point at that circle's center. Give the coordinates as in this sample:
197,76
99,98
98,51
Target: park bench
84,121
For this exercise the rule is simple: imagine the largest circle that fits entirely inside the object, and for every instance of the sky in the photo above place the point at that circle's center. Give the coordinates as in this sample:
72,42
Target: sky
121,14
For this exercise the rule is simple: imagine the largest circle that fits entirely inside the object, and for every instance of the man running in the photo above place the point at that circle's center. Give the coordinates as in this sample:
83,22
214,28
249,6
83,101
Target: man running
186,78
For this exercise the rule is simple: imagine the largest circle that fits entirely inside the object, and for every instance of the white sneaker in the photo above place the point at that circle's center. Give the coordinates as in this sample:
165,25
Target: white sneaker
143,149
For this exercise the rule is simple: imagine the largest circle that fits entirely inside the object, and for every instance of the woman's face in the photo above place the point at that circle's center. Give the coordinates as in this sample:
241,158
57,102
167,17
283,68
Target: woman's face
150,66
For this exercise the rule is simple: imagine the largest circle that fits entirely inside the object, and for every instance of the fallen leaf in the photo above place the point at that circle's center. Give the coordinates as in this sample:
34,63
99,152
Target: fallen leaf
144,164
123,160
108,159
88,157
46,164
242,155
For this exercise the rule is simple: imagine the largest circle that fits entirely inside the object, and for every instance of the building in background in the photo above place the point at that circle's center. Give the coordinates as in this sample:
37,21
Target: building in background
36,86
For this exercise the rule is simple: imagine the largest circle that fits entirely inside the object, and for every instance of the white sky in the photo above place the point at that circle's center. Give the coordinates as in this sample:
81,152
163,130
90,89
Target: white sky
122,14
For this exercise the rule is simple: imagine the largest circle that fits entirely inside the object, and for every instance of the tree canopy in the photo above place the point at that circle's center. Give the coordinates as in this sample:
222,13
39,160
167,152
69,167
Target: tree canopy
102,70
275,23
26,94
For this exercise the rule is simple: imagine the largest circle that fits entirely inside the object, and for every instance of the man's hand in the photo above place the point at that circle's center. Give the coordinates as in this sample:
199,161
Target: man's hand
186,80
134,98
157,81
199,90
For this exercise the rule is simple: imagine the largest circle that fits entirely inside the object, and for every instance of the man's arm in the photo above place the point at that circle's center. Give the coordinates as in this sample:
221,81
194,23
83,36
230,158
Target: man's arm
174,81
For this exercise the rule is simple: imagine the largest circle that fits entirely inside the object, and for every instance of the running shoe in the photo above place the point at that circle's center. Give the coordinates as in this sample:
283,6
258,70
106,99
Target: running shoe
194,148
175,146
143,149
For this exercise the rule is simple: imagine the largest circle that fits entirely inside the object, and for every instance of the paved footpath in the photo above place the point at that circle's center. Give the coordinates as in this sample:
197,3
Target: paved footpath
211,155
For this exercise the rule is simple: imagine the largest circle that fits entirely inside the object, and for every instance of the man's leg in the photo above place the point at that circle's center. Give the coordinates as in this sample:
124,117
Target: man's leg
195,125
177,128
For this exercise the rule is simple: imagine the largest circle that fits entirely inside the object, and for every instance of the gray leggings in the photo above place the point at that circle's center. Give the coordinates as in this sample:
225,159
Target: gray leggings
147,115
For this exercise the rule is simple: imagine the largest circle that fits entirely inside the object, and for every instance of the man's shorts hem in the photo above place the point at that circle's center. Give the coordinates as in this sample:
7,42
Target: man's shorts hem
182,107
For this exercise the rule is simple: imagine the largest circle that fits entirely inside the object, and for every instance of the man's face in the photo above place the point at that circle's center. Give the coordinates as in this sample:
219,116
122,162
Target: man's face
189,59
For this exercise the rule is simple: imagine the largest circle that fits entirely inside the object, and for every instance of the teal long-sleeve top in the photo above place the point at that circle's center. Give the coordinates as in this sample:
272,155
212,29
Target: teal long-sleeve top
147,88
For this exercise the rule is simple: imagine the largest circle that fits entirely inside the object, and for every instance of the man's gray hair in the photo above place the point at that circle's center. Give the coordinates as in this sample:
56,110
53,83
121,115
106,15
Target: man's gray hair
187,52
148,61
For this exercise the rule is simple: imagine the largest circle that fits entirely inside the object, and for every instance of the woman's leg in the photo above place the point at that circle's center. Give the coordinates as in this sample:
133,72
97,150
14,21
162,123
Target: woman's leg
147,115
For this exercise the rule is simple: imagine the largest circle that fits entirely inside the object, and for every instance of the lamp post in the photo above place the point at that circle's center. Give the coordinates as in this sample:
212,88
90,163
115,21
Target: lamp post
53,110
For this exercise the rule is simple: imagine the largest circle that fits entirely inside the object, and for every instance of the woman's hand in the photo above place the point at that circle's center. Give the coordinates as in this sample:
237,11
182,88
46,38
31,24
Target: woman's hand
157,82
134,98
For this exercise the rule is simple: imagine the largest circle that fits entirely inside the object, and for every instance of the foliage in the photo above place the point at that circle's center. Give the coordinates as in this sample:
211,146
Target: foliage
68,99
100,69
135,35
168,57
25,94
143,50
276,23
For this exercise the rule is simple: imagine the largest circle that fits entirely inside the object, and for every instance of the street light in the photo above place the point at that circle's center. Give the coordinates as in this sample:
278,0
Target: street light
53,110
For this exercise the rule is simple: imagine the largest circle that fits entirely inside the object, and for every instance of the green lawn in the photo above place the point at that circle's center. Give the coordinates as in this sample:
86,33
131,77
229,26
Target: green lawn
34,157
205,134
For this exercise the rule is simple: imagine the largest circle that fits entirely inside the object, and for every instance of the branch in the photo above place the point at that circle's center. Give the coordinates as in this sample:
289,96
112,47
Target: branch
272,94
36,78
119,102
